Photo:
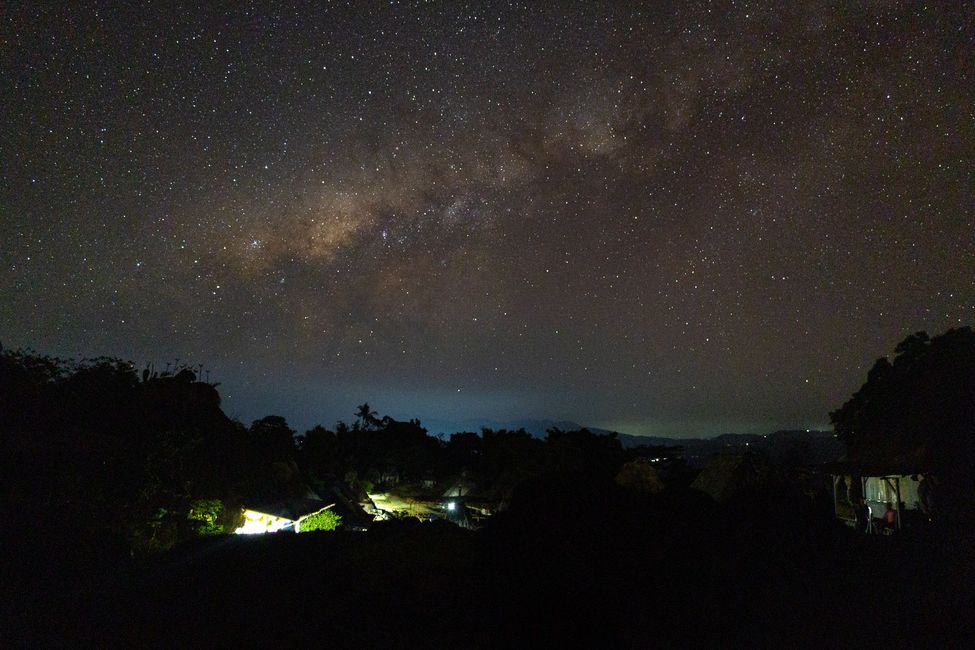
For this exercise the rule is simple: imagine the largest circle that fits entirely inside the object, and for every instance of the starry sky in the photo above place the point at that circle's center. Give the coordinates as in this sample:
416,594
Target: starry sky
668,218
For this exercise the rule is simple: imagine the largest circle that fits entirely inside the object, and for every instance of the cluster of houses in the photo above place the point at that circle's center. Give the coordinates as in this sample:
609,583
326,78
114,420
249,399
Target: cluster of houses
460,500
874,491
287,514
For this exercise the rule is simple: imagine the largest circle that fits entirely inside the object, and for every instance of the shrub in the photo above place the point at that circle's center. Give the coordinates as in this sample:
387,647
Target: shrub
205,513
322,520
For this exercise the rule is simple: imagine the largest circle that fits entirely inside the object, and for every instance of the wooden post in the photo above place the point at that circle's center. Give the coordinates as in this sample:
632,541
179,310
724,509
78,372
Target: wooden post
863,502
897,490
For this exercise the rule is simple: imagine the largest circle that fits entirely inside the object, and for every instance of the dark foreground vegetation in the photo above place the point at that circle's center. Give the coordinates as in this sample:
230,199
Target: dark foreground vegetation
119,489
573,561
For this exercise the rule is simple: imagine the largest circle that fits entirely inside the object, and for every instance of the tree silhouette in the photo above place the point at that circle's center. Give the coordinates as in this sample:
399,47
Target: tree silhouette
274,437
918,408
367,417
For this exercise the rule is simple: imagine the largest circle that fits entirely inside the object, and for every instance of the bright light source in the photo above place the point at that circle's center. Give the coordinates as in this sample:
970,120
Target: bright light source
451,506
256,523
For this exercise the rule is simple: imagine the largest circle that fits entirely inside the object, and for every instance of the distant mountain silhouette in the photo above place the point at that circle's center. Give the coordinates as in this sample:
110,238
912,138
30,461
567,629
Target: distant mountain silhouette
533,426
800,446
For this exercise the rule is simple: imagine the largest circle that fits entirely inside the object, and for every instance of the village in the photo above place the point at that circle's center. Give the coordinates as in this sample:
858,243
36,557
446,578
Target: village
870,493
480,527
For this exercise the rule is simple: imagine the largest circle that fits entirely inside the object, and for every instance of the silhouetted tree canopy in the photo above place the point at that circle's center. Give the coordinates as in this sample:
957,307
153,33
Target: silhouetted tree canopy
97,451
920,407
95,448
366,417
583,450
274,437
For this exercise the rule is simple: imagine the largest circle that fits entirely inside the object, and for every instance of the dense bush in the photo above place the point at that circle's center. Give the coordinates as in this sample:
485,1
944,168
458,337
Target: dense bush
205,513
323,520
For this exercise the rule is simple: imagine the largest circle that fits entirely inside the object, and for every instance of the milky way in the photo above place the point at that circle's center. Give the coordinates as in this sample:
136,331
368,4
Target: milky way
672,218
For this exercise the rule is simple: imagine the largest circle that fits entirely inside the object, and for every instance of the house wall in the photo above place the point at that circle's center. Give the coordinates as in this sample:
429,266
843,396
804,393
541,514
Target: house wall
878,492
261,522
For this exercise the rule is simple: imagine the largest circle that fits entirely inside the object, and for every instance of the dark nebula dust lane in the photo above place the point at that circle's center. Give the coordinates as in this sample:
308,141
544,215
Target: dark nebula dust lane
678,218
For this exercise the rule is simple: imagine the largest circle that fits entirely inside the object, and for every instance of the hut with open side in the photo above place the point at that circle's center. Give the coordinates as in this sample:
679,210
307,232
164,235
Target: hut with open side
867,480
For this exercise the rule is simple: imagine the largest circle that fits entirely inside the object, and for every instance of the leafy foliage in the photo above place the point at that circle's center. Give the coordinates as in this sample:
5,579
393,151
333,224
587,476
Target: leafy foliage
322,520
205,515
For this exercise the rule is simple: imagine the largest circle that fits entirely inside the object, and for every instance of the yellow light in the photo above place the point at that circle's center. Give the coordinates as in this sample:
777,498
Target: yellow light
256,523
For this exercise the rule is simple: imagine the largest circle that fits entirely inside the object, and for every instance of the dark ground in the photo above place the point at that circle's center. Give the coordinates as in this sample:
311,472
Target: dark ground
571,564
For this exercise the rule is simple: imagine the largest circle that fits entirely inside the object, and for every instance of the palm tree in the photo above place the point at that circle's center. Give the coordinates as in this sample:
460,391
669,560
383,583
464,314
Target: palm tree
367,416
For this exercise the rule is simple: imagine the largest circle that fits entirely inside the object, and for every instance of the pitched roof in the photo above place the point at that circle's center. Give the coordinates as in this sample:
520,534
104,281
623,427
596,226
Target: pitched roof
289,509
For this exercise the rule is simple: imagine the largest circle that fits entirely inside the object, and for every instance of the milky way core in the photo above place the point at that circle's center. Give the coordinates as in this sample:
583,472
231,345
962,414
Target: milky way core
672,218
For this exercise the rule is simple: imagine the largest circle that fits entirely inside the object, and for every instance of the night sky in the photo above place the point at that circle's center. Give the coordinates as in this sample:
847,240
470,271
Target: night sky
675,218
